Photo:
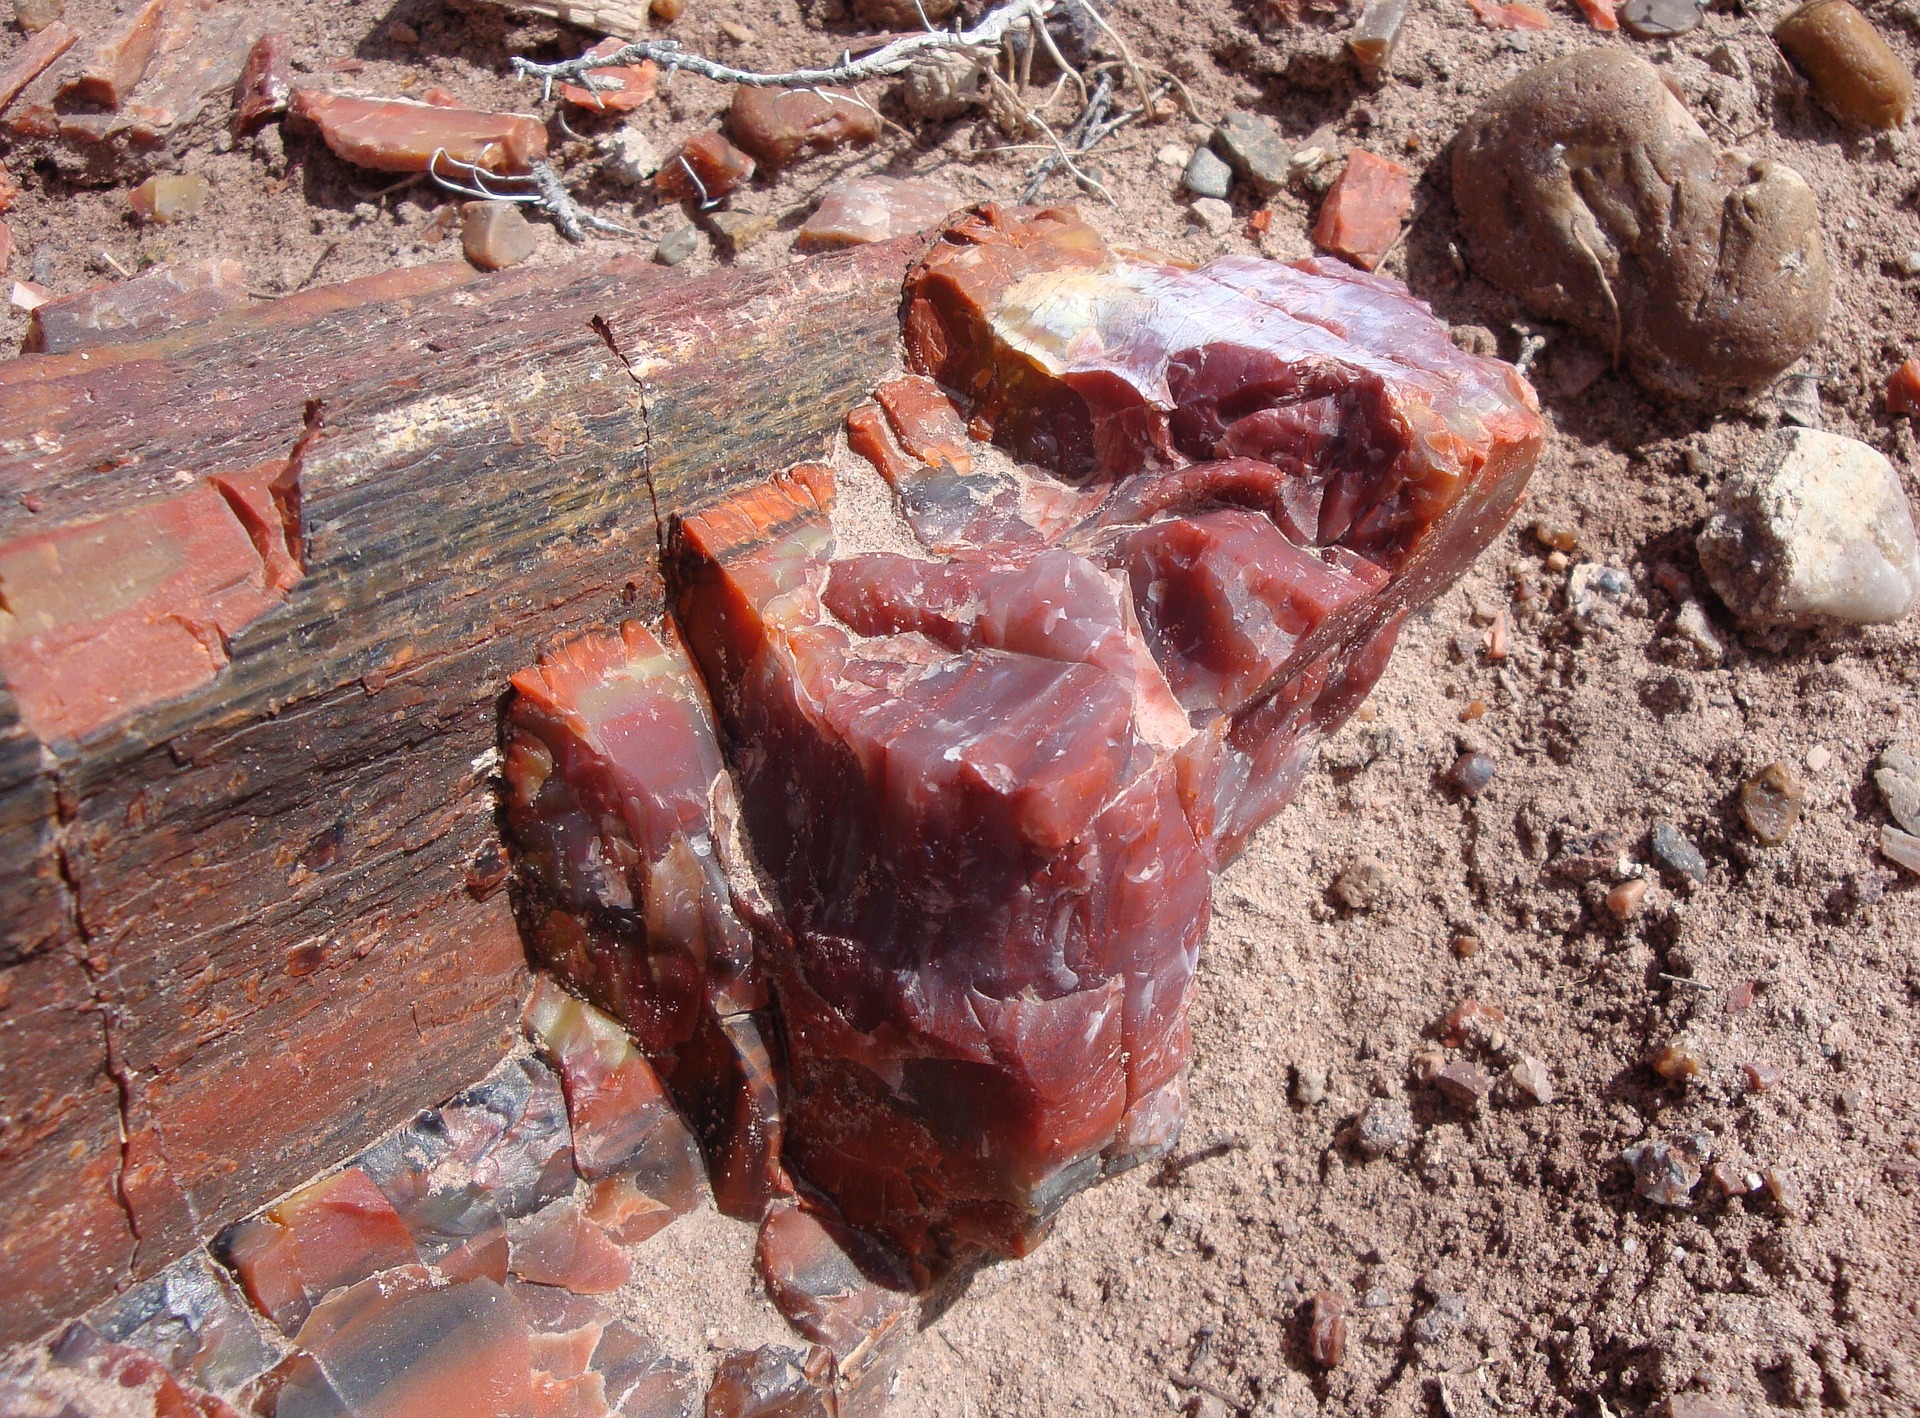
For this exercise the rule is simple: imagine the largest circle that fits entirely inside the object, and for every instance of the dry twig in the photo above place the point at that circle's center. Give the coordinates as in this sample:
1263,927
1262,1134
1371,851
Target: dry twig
885,62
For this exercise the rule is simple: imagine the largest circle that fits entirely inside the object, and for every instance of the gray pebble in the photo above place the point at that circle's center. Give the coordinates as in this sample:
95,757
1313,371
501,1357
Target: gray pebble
1207,174
1386,1126
1898,778
1675,853
1252,143
1660,19
676,246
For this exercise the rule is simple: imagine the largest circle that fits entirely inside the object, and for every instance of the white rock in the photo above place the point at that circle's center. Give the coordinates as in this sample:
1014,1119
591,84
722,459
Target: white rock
1213,214
1697,630
631,157
1813,529
940,86
1900,847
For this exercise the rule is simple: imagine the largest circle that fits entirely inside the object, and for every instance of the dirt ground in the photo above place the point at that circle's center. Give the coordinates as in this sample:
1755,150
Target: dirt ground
1499,1262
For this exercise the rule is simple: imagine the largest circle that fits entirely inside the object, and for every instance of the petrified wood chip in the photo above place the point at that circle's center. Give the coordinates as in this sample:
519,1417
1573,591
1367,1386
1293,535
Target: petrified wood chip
119,61
706,168
399,135
156,300
337,1231
773,1381
1585,189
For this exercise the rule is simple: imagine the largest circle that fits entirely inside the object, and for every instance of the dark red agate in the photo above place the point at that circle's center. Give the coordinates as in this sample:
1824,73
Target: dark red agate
984,790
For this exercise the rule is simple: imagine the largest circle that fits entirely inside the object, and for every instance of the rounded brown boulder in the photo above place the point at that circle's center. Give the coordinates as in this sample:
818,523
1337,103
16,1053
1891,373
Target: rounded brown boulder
1586,189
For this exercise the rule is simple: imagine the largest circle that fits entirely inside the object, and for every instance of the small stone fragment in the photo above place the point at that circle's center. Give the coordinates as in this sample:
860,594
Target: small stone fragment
773,1381
1664,1173
337,1231
33,59
858,210
1475,1023
735,232
1693,1405
1661,19
813,1279
1601,14
1762,1076
621,1116
677,245
1697,630
1897,775
1471,773
192,1319
399,135
1782,1190
1385,1126
1770,803
35,15
1361,886
1798,398
940,86
619,88
1464,1084
400,1343
1900,848
266,84
641,1380
1213,214
1361,216
1252,144
1532,1078
1714,281
494,235
1514,15
706,168
1375,35
778,127
1854,72
1903,389
1208,174
119,61
631,157
1671,849
1625,900
1813,529
1326,1329
158,299
667,11
1678,1061
1309,1084
1443,1319
560,1245
168,197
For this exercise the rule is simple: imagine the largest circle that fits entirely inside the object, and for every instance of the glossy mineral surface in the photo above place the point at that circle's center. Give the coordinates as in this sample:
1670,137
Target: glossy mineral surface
985,788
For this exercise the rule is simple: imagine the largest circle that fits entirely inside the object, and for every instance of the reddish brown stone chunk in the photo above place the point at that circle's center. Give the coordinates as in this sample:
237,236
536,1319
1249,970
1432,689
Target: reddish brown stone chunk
559,1245
400,1345
330,1234
109,616
623,1121
809,1266
619,799
870,207
1518,15
773,1382
1365,209
266,84
32,60
780,126
1903,389
152,301
620,88
120,61
705,169
398,135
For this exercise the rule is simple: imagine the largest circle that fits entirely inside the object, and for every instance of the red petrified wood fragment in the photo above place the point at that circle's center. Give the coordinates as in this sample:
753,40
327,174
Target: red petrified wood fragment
707,168
330,1234
399,135
779,126
266,84
619,88
1365,209
120,60
1903,389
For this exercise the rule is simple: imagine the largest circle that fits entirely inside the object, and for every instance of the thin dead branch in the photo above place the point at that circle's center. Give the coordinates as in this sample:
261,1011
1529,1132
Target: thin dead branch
884,63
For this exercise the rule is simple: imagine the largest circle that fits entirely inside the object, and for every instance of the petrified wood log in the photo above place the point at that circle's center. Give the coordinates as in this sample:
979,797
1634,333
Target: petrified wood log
263,581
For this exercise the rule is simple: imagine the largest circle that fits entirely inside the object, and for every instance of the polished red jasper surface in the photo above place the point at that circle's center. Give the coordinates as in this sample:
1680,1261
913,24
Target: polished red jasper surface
986,788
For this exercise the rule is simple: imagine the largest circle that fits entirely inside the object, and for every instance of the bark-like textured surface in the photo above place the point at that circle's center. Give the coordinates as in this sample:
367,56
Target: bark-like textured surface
266,868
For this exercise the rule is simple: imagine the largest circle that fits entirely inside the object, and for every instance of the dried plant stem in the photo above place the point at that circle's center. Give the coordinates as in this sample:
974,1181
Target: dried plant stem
883,63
